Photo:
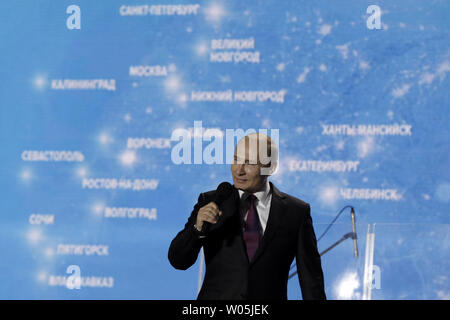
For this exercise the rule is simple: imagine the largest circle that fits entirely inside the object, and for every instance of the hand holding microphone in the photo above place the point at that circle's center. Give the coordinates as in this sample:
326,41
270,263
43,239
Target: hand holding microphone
210,213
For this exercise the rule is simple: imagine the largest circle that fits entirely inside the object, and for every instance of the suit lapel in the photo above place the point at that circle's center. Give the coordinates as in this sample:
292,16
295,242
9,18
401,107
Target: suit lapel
276,211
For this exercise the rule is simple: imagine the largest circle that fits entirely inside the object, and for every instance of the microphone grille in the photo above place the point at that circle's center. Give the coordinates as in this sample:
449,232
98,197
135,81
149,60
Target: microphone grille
224,190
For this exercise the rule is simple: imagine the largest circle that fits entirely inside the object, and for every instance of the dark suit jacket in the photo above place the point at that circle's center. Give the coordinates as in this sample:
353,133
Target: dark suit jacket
229,275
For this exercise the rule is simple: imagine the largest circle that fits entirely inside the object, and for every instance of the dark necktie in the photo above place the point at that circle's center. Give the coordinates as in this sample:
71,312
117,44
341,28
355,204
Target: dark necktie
252,228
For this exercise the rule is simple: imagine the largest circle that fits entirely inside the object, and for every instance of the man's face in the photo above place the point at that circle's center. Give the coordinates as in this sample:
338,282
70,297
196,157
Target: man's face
246,169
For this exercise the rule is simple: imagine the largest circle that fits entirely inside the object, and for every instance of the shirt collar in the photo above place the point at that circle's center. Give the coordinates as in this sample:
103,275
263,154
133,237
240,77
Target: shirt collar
260,195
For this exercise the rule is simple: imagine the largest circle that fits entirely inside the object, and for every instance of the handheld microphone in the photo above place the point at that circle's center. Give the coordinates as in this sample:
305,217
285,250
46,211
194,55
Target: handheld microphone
354,237
223,192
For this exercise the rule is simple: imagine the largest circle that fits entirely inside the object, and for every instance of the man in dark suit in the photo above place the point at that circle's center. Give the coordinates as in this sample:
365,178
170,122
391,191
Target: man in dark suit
253,236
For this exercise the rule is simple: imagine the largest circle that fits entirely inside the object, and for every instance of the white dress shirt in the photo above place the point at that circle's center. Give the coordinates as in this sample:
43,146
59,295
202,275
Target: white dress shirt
263,200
